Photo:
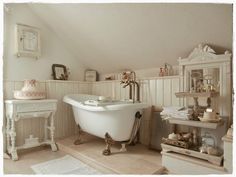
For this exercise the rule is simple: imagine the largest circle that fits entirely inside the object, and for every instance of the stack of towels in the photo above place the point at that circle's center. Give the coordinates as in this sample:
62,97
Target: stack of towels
176,112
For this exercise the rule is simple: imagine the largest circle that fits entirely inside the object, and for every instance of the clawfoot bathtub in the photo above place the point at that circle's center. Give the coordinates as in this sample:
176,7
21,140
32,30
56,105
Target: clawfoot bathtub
112,120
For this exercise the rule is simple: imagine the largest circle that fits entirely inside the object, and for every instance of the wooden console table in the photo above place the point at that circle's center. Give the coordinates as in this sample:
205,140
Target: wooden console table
21,109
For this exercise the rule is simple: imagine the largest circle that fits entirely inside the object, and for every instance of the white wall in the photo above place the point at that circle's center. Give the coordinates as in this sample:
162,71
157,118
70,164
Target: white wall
53,49
110,37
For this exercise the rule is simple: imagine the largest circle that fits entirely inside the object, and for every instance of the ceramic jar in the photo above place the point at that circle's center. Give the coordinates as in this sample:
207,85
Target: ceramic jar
29,91
29,85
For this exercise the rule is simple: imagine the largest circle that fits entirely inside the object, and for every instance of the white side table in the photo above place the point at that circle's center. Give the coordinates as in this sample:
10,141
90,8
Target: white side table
21,109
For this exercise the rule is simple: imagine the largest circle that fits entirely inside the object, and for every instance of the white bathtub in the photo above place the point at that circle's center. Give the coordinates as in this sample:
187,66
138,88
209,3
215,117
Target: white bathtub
115,117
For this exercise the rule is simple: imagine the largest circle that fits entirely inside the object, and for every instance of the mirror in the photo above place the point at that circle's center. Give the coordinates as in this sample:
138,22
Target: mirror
203,80
196,81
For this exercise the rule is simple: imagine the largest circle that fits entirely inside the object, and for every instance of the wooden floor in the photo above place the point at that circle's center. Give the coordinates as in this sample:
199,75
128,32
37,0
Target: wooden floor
137,160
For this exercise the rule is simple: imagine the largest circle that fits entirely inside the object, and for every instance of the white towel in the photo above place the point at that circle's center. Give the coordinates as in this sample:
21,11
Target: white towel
97,103
176,112
173,108
92,102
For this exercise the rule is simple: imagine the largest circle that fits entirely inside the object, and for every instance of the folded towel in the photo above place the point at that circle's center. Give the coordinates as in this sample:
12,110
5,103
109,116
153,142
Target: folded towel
173,108
176,112
187,111
97,102
92,102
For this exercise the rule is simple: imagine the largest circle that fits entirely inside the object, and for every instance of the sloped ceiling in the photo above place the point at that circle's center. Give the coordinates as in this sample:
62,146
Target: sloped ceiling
112,37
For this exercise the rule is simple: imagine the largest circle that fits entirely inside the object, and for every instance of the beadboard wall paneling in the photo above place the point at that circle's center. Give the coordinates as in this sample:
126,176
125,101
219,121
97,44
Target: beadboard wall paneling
111,89
64,120
158,92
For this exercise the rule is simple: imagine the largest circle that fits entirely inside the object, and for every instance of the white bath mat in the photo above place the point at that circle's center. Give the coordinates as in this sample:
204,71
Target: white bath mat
64,165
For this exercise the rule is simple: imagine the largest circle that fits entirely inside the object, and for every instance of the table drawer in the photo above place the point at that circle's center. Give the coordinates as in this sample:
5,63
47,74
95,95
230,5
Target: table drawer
36,107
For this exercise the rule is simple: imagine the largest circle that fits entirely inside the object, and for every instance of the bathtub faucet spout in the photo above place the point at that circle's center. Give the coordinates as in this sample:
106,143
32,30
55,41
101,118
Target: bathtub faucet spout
128,78
138,92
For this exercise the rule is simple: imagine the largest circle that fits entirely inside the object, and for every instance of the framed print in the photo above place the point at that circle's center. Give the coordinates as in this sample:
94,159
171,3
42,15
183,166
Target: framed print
59,72
27,41
90,75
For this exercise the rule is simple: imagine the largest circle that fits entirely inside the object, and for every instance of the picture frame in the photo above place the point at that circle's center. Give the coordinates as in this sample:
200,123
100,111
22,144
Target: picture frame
59,72
91,75
196,80
27,41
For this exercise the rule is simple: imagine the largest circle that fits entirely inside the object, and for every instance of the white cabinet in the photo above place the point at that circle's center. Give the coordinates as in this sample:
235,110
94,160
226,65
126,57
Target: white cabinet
204,60
195,70
27,41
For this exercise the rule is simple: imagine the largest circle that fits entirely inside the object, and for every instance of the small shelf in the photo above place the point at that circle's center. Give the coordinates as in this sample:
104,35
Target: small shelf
216,160
26,146
197,94
194,123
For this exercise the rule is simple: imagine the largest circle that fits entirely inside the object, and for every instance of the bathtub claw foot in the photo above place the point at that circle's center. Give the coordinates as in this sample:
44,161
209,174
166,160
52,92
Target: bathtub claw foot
109,141
106,152
123,148
77,142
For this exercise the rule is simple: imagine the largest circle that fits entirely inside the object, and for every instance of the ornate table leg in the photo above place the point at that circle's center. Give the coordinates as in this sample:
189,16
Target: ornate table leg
52,128
45,129
109,141
7,134
13,150
8,131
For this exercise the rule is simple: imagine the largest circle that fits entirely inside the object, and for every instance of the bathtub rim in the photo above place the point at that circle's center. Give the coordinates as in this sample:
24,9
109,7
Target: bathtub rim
69,100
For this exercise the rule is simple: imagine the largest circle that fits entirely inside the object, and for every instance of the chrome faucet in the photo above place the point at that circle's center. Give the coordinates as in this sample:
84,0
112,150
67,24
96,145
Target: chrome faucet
129,79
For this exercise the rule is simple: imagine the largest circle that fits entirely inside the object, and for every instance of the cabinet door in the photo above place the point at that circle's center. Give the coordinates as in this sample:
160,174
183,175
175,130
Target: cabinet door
27,41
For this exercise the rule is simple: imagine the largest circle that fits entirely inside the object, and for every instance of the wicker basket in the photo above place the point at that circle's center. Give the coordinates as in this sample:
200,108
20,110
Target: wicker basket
182,144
